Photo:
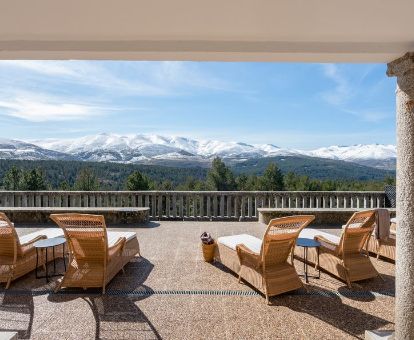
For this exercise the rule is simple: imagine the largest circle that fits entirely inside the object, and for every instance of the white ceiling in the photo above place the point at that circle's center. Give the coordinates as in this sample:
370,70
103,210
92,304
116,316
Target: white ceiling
256,30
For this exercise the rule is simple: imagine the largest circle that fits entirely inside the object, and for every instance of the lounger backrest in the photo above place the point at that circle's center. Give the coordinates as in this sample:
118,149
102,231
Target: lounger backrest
357,231
9,241
280,238
86,236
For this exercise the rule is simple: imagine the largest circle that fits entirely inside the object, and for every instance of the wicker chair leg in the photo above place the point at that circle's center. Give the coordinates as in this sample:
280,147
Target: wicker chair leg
58,286
378,250
347,279
267,299
103,290
304,286
239,279
8,283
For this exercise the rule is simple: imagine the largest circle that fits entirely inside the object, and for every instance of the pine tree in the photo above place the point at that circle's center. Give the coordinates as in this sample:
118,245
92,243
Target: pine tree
272,179
86,180
33,180
137,181
64,186
13,179
220,177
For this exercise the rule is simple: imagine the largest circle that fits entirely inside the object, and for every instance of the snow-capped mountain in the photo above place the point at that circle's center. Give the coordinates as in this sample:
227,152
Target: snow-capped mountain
14,149
139,148
355,152
156,149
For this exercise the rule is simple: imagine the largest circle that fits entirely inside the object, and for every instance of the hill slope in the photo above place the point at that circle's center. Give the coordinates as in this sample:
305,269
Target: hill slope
113,175
156,149
318,168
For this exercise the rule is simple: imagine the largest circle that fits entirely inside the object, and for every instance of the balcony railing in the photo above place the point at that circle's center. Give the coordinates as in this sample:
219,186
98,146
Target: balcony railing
237,205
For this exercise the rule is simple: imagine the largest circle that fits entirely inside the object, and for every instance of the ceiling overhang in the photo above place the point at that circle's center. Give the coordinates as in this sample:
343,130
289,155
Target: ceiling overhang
215,30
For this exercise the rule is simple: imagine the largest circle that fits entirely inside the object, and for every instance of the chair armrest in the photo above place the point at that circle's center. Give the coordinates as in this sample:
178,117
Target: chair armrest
37,238
117,248
326,244
248,257
25,247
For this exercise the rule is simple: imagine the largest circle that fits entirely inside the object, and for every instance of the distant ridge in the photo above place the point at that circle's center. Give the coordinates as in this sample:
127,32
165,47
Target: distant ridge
157,149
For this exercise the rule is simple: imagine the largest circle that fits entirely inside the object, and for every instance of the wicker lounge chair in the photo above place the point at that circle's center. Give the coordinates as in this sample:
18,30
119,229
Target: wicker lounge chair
345,256
264,263
386,247
95,255
17,254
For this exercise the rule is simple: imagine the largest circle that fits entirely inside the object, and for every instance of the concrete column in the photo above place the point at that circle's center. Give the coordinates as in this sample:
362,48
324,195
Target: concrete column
403,69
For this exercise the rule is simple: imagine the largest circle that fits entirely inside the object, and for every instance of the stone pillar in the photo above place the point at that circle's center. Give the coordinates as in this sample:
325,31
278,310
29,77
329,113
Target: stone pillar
403,69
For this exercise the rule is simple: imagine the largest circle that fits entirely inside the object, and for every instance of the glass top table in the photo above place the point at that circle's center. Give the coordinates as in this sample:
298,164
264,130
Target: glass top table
308,243
44,245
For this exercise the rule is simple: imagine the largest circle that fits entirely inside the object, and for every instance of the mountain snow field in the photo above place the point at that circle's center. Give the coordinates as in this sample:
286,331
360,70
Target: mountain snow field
144,148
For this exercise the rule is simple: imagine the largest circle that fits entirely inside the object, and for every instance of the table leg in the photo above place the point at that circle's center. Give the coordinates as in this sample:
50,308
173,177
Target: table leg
37,263
54,260
47,274
319,267
305,255
64,257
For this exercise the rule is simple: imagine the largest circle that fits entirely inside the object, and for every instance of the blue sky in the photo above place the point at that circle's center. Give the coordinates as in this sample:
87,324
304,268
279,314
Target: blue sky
289,105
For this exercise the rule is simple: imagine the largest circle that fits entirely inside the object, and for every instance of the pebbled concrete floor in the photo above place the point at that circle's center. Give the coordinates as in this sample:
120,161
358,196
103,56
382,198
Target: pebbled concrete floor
171,293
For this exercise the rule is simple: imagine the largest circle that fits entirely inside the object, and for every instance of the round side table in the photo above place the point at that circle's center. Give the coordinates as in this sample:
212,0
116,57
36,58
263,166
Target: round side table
308,243
45,244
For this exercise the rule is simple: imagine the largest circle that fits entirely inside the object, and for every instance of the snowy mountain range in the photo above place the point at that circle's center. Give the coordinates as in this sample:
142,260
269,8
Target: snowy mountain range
155,149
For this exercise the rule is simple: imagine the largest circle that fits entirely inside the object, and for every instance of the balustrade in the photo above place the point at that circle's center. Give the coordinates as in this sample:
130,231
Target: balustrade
196,204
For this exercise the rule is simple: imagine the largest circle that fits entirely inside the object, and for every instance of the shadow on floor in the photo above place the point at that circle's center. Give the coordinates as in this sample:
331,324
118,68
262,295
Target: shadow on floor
117,314
329,307
16,314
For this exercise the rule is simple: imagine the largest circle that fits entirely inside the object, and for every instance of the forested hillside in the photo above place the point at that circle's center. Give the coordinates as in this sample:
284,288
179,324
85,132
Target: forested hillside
317,168
111,175
279,173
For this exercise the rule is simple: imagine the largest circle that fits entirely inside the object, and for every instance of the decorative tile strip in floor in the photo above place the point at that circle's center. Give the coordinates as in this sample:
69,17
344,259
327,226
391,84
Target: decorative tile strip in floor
324,293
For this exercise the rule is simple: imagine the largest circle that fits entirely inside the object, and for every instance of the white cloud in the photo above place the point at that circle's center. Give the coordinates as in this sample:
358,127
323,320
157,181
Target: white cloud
176,73
43,109
342,89
51,68
350,96
127,78
370,115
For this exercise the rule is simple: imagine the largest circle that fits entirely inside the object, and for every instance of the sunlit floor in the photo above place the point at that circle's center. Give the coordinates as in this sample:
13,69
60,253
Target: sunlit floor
171,293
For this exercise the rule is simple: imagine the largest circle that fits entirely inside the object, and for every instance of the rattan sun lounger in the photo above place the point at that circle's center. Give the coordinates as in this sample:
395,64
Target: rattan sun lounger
345,256
264,263
17,254
95,255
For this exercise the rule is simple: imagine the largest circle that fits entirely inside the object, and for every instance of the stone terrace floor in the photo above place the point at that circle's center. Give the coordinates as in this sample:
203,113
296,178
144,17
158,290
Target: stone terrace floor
170,293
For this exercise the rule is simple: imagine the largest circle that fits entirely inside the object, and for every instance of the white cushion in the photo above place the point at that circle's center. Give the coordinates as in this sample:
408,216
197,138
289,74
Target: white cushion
4,224
49,233
394,220
311,233
251,242
114,236
352,225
